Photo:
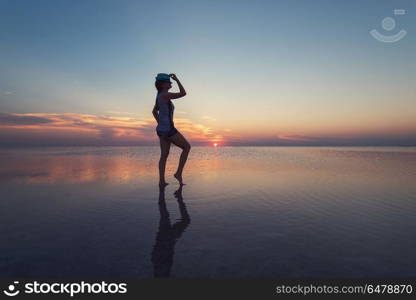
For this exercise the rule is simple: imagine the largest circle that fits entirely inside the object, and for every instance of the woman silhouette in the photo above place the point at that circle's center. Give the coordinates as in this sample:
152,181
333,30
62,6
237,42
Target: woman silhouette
163,113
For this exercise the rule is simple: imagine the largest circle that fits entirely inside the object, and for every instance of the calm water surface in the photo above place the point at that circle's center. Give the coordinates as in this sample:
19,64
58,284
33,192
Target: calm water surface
244,212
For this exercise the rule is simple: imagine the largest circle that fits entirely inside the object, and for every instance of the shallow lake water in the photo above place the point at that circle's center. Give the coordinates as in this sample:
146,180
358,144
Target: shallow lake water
244,212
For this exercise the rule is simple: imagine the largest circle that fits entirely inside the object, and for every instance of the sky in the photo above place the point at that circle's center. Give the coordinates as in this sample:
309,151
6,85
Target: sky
290,72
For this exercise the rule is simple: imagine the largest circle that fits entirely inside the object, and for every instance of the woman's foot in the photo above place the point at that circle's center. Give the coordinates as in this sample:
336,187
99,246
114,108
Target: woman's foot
162,184
179,178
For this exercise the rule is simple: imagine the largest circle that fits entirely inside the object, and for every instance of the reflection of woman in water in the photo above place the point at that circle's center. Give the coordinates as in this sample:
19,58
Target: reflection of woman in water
163,113
167,235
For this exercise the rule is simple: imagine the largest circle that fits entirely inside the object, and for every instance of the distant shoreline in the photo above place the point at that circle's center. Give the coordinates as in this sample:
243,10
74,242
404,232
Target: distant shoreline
208,146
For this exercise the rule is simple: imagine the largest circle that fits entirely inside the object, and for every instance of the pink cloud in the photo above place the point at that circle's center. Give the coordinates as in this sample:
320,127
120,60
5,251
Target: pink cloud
88,129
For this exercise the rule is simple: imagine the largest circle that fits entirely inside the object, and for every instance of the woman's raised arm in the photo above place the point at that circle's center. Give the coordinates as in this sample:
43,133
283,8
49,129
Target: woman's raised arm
181,93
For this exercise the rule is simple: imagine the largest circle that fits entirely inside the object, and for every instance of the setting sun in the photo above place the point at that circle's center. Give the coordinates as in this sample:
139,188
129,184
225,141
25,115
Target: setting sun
215,144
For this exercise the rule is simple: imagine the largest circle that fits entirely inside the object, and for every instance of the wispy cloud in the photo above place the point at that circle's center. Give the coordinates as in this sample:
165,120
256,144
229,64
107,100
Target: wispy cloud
89,129
6,92
124,113
362,139
74,128
303,138
208,118
16,119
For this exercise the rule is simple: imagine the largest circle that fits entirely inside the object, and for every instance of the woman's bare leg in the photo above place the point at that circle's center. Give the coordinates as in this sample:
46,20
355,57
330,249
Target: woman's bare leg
164,153
179,140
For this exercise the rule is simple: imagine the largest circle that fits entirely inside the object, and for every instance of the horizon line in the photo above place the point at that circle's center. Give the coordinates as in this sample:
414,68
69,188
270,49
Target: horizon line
204,145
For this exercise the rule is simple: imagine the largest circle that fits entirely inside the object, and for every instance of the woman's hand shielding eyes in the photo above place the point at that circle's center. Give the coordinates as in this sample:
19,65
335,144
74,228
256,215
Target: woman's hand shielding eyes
173,76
